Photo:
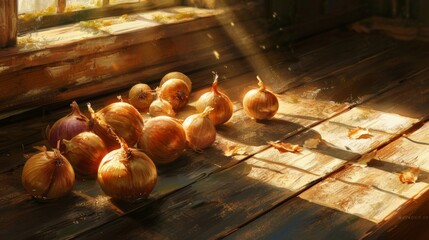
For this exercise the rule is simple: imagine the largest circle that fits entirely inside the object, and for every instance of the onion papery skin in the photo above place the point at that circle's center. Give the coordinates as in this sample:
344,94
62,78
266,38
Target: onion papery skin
67,127
48,175
200,131
160,107
85,152
177,75
141,96
176,92
124,119
163,139
127,175
260,105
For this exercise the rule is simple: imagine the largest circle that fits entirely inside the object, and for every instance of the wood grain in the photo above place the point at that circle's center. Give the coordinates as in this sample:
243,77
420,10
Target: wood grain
366,193
8,20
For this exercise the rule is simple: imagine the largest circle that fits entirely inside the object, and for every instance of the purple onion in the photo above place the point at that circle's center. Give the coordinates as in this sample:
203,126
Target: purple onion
67,127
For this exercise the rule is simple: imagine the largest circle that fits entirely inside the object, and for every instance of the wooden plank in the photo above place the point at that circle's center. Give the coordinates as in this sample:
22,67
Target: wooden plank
361,81
409,222
398,99
382,127
8,19
19,212
93,42
316,66
364,194
409,151
63,40
97,66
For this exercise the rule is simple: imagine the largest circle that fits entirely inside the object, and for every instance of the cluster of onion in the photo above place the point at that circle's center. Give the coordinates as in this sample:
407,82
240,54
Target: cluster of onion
98,146
171,96
91,150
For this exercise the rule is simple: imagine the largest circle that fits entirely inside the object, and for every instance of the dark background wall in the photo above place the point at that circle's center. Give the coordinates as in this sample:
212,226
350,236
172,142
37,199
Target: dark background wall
412,9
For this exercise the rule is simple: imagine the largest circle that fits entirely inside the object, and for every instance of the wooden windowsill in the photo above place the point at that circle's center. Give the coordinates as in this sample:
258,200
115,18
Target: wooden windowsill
66,62
36,48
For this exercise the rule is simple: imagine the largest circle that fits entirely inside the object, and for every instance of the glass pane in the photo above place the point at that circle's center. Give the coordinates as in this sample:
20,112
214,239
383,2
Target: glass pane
75,5
26,6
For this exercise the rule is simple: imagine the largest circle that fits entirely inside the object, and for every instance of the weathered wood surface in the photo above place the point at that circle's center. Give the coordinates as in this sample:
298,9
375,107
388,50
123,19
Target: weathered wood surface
61,41
366,193
217,205
362,200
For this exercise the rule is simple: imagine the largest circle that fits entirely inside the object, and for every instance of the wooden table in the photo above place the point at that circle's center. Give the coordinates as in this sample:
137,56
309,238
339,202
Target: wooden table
340,188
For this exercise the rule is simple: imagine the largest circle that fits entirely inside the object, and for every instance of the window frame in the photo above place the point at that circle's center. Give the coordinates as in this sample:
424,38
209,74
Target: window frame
8,23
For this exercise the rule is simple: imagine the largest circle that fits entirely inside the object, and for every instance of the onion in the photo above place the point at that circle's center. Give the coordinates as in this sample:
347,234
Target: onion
176,92
199,129
127,174
260,103
125,120
85,152
221,104
163,139
67,127
160,107
48,175
177,75
141,96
